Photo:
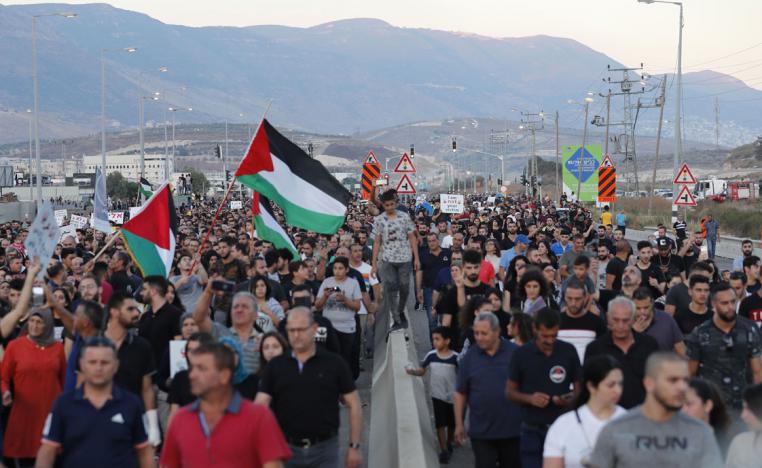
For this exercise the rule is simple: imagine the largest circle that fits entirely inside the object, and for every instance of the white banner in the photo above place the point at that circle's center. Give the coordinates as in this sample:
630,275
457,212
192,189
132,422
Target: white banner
236,205
116,217
177,360
451,203
79,222
60,216
68,230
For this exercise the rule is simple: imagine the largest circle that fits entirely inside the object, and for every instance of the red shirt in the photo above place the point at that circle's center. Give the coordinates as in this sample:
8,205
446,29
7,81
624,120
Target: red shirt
247,436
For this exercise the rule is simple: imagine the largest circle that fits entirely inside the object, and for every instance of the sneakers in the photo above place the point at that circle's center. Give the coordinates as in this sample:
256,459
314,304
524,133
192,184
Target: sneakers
444,457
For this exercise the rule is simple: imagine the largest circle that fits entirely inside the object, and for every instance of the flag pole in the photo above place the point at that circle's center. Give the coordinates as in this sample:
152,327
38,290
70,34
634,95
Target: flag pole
108,244
230,186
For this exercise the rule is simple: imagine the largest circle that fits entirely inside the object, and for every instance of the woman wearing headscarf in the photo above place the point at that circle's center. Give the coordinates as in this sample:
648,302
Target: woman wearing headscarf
244,382
33,367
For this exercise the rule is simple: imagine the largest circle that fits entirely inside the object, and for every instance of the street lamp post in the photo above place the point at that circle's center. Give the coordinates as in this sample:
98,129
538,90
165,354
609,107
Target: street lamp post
103,102
678,155
581,161
141,112
36,92
174,110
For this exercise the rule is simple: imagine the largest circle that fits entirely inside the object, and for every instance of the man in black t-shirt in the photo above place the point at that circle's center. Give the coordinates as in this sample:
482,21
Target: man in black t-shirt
679,227
579,326
467,284
617,264
751,307
669,264
433,258
651,275
698,310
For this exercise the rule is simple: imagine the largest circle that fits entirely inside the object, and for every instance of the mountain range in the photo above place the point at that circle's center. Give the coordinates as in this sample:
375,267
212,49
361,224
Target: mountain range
344,77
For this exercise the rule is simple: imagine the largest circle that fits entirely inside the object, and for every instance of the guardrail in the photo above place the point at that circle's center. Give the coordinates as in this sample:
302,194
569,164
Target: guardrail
401,433
728,247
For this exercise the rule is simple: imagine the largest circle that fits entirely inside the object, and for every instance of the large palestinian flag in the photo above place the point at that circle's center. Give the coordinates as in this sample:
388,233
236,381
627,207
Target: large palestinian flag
149,236
268,227
310,197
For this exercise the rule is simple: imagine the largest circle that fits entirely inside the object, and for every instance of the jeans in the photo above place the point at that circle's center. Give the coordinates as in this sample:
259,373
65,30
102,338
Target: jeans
711,244
532,442
349,348
324,454
491,453
427,306
396,279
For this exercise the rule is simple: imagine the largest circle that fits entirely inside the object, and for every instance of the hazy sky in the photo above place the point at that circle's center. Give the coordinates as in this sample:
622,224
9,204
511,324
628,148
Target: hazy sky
626,30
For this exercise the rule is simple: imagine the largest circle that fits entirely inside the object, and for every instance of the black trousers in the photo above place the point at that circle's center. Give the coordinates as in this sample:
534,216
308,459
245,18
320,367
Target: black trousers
492,453
349,348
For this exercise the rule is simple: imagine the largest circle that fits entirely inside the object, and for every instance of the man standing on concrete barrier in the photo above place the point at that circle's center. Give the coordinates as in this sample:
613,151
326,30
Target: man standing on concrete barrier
482,376
394,247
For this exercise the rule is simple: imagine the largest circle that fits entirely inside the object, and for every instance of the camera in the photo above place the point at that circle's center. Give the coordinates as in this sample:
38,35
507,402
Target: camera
224,286
37,296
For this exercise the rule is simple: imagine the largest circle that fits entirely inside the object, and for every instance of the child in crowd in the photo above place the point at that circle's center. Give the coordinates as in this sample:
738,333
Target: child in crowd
444,368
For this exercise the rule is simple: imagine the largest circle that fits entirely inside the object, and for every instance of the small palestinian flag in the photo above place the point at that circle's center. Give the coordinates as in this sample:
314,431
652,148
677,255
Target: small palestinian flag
267,226
310,197
145,188
149,236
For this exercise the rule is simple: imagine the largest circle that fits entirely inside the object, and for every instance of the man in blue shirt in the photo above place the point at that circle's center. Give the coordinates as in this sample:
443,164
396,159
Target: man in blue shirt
562,245
712,235
482,376
98,421
621,221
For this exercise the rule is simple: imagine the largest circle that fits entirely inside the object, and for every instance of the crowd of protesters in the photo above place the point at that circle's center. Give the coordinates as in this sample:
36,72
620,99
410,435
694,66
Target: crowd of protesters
546,325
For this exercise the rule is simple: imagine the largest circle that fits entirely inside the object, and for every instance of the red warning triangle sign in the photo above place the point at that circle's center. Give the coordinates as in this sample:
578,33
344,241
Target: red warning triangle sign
685,197
607,162
372,159
405,165
684,176
405,186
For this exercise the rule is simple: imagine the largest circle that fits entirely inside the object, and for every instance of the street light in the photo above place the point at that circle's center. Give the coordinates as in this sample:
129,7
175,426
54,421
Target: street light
166,163
678,155
128,50
141,117
580,163
36,92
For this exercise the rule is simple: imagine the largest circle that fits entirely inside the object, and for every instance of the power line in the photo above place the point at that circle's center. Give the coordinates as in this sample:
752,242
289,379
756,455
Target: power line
726,56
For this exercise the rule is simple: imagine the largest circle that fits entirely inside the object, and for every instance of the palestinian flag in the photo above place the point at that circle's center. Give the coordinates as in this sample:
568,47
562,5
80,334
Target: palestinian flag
145,188
310,197
149,236
268,227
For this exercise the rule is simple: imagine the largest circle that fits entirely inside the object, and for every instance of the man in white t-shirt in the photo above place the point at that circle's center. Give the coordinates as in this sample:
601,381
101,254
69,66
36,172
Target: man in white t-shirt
369,303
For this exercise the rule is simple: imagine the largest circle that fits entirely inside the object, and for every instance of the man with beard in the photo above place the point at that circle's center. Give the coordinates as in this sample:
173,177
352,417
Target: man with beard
509,240
691,250
650,274
726,350
579,326
669,264
161,323
136,359
631,280
232,269
467,284
656,323
659,434
603,258
615,267
747,249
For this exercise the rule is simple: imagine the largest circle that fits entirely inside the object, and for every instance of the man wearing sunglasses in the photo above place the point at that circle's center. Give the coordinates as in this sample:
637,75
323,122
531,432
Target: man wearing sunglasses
726,348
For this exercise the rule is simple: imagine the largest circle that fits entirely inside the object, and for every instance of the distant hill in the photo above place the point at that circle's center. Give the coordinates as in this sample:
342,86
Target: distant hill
340,77
745,156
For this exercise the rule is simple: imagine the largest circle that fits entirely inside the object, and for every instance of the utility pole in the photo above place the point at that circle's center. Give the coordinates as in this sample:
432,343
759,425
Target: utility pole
558,166
717,122
582,154
532,122
660,102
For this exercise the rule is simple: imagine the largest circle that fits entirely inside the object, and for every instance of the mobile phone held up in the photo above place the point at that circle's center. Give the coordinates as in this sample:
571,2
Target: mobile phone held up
223,286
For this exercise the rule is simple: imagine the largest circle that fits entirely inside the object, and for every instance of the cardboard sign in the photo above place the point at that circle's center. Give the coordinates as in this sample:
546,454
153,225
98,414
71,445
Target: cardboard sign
451,203
177,360
60,216
236,205
79,222
43,236
116,217
68,230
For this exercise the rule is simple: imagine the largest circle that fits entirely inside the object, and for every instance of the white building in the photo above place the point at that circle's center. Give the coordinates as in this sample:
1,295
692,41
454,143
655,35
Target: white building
129,166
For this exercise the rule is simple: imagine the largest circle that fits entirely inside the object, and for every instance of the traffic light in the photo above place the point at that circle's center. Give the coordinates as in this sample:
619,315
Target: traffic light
454,144
412,150
227,175
499,181
523,179
217,152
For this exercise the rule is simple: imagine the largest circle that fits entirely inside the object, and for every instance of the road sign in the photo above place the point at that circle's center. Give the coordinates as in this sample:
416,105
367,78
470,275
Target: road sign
606,184
405,186
684,176
685,198
607,161
405,164
372,159
370,173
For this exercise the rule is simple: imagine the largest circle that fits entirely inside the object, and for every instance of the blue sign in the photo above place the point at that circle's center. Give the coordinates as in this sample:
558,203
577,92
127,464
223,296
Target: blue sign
589,164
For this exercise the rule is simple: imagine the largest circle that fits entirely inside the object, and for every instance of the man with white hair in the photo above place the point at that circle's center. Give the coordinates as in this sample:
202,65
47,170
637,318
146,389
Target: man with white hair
627,346
243,315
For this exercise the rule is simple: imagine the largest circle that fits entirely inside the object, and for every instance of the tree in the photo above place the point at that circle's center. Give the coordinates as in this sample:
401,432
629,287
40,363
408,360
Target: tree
117,187
199,183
